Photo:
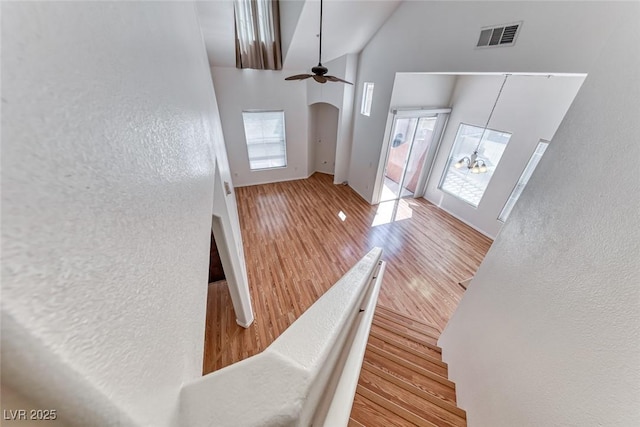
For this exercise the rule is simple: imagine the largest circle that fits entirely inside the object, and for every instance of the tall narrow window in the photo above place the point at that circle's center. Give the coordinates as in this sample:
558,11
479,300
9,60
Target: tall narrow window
524,179
367,97
461,182
264,131
257,34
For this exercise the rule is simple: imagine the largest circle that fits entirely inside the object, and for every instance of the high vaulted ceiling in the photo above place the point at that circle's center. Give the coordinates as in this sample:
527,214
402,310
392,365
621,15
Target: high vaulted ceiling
347,27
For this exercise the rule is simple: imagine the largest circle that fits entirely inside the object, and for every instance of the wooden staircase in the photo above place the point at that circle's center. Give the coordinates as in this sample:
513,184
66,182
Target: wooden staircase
403,381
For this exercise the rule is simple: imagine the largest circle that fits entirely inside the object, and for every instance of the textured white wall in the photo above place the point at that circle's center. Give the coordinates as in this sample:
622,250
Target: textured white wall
108,127
530,108
411,41
239,90
548,333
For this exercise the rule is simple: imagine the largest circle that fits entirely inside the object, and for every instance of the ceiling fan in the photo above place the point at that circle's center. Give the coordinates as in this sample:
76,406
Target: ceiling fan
319,70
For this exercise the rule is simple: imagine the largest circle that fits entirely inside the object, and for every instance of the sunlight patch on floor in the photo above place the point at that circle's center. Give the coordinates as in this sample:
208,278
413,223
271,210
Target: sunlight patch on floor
392,211
390,191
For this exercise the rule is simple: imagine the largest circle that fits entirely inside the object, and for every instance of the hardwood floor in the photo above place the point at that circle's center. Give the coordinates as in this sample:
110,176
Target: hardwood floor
296,247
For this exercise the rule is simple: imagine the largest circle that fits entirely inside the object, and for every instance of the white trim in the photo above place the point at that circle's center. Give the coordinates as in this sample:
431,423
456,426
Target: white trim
418,112
244,325
271,181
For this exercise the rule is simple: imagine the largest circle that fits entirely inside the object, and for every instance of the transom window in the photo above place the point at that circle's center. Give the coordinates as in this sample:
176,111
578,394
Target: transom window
461,182
367,98
265,135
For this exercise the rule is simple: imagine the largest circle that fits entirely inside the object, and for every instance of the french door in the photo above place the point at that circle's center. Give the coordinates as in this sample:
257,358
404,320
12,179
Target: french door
411,150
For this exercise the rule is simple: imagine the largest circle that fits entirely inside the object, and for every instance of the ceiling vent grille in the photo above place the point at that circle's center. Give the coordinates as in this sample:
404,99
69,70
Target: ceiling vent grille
501,35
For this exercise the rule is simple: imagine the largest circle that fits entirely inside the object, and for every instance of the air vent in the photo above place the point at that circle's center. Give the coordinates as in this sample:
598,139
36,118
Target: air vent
501,35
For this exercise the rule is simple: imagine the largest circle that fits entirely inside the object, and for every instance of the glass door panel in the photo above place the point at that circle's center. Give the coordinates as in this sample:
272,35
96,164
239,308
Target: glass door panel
402,135
418,154
410,153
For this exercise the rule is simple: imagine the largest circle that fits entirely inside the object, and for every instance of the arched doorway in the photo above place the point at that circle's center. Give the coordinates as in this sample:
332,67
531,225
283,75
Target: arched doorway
323,136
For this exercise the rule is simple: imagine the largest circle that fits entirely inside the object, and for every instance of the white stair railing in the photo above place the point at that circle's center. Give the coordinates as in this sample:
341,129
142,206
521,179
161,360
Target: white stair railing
308,375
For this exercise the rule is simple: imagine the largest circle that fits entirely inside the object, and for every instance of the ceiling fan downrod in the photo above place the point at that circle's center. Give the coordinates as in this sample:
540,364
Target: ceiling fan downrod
319,70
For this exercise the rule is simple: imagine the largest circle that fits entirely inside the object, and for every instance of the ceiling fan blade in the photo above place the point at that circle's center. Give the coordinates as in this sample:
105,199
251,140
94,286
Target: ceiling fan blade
299,77
336,79
320,79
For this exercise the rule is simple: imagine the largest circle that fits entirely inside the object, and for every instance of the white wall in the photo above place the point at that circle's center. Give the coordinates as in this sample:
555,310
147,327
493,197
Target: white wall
239,90
548,333
109,135
530,108
290,11
411,41
323,123
421,90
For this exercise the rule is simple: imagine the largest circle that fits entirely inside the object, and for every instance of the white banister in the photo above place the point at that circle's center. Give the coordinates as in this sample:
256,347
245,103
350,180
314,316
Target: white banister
341,400
294,381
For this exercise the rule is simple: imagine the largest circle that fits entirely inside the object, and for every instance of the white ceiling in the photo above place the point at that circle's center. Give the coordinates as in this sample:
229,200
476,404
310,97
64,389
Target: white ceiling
347,27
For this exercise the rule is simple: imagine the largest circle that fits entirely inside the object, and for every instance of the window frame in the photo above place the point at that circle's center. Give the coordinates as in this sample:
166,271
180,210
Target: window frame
367,98
247,145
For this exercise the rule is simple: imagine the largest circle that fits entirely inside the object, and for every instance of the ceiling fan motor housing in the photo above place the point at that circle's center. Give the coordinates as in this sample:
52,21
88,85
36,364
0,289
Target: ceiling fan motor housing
320,70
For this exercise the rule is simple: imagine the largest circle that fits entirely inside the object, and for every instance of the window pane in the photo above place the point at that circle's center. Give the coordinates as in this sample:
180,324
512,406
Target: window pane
524,179
264,132
367,97
462,183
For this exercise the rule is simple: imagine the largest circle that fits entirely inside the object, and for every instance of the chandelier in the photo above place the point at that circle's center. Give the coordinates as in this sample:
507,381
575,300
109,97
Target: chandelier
474,163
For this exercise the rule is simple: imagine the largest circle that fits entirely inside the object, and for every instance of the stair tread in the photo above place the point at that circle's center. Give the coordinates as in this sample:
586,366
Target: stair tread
423,334
424,339
412,389
424,347
354,423
416,420
409,357
405,348
370,414
425,383
412,403
406,319
394,312
416,368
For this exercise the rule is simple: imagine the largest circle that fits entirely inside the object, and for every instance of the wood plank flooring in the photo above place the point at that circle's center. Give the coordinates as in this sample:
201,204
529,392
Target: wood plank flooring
296,247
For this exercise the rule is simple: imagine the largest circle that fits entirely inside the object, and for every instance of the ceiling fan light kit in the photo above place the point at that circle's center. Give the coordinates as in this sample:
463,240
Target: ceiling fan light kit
319,71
